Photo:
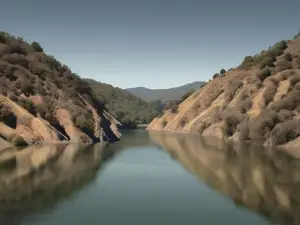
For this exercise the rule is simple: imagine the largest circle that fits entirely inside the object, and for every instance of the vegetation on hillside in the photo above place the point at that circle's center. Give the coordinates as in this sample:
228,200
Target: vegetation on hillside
257,101
40,83
129,109
165,95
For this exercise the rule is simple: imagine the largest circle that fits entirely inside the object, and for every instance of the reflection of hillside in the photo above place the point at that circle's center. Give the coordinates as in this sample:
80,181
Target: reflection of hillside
262,180
39,176
132,139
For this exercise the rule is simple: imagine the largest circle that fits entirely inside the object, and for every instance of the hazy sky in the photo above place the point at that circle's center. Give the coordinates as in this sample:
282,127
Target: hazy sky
151,43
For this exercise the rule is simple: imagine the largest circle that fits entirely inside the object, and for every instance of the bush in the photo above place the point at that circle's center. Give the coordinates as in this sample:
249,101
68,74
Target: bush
27,88
164,123
216,75
16,59
282,65
267,61
269,93
289,102
16,47
222,71
174,109
285,132
263,74
288,57
2,37
28,105
37,46
186,95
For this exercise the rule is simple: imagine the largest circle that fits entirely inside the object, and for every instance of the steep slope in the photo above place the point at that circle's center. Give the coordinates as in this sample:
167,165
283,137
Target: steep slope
170,94
258,101
128,108
39,97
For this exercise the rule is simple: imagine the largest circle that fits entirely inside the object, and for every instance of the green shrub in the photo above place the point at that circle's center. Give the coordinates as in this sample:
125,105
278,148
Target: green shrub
186,95
216,75
37,46
164,123
288,57
222,71
174,109
2,37
263,74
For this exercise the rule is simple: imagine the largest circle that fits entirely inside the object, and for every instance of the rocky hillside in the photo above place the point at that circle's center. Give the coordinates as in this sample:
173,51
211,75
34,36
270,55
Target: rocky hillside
258,101
41,100
128,108
171,94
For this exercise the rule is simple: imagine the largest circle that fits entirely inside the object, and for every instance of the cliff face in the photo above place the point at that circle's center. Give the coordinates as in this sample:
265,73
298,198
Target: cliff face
257,101
41,100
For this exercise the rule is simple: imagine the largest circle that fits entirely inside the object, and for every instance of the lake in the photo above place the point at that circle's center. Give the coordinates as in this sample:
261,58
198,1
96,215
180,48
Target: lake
155,178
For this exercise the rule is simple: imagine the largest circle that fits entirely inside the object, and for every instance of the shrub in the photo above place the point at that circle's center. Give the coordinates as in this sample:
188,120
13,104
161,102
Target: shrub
231,120
27,88
37,46
2,37
263,74
282,65
16,47
186,95
289,102
260,127
288,57
164,123
222,71
174,109
284,115
28,105
267,61
16,59
269,93
285,132
216,75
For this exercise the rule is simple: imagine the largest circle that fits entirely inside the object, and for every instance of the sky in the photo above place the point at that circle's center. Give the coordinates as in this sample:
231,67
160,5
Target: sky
151,43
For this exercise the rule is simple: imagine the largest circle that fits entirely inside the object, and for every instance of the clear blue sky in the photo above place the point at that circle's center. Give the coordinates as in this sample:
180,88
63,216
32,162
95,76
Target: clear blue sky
151,43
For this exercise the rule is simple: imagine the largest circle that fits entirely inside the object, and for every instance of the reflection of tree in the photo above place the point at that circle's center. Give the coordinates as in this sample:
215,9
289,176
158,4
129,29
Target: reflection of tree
42,176
263,180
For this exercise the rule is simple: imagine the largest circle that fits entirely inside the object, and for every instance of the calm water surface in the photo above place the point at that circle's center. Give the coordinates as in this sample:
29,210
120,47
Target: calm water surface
157,180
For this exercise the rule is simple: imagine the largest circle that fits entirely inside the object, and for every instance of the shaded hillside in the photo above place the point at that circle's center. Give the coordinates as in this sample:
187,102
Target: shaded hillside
170,94
257,101
48,96
128,108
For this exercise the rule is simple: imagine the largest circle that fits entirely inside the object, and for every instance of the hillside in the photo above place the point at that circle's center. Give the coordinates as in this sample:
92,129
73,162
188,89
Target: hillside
128,108
170,94
41,100
257,101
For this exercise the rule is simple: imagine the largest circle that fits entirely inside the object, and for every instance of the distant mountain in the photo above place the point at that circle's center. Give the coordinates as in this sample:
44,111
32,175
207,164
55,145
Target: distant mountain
128,108
164,94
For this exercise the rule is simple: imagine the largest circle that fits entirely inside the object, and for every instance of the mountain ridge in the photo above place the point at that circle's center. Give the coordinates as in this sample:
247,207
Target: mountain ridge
164,94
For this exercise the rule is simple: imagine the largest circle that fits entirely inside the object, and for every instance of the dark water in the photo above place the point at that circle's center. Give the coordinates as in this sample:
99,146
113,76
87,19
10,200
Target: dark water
157,180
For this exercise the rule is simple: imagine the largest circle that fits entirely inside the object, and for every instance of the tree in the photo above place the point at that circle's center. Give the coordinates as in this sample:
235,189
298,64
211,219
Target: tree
222,71
37,46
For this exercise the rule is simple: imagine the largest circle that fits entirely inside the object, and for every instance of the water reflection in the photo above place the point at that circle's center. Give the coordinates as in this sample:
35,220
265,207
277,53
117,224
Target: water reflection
263,180
34,179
